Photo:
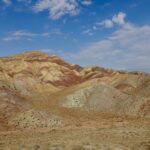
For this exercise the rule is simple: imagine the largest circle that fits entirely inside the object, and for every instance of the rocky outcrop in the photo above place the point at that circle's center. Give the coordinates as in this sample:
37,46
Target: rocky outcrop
105,98
36,119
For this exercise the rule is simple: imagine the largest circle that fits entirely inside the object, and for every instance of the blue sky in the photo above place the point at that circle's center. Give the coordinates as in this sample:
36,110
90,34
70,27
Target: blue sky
109,33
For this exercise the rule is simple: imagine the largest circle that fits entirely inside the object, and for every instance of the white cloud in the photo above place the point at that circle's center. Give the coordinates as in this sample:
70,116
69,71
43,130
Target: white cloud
87,32
55,31
22,33
57,8
28,1
118,19
26,35
126,48
86,2
7,2
19,34
106,23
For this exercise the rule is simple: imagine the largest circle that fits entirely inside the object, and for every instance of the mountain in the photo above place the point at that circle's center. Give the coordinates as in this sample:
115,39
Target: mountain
36,87
44,98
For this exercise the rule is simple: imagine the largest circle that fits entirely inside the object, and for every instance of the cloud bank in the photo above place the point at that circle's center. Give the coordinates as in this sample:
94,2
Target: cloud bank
128,47
55,8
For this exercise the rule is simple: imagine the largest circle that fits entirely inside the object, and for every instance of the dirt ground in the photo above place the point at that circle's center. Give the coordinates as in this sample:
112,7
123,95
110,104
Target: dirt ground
129,136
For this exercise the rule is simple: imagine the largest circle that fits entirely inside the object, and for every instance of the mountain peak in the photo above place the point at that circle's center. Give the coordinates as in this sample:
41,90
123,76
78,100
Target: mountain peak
36,55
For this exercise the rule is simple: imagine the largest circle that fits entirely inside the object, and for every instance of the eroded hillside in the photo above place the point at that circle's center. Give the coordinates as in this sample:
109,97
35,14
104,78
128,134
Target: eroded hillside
34,86
44,98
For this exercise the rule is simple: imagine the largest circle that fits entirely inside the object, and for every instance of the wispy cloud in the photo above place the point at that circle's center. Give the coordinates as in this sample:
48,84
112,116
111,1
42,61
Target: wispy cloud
27,35
7,2
87,32
86,2
57,8
19,34
26,1
56,31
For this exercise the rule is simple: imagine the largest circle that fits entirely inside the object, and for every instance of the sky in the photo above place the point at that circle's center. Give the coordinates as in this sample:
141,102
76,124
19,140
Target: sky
108,33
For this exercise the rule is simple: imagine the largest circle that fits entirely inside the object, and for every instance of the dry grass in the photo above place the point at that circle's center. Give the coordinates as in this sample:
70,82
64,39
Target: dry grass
128,137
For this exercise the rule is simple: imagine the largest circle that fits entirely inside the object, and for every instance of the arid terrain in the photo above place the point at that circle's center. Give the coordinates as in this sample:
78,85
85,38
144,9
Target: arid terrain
47,103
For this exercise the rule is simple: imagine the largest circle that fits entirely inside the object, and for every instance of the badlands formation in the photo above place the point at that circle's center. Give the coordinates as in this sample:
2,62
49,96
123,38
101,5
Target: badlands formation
49,104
